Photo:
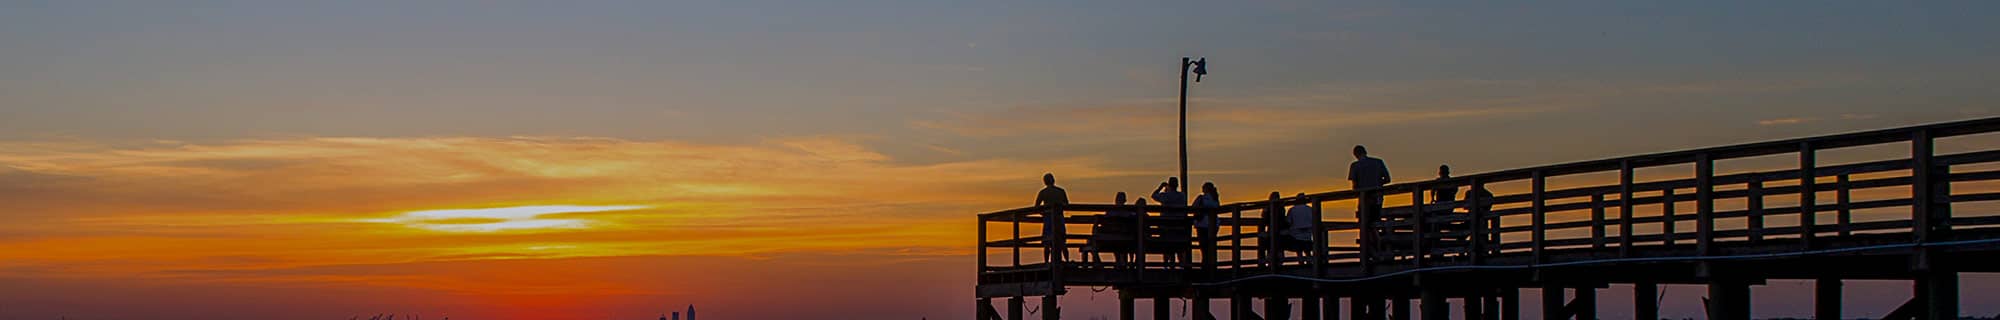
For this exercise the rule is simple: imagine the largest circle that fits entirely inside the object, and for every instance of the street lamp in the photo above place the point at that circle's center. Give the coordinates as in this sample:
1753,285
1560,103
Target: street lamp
1200,68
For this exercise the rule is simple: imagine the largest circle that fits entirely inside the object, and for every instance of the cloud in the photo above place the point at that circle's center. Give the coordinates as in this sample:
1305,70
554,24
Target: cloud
1287,114
88,209
1784,121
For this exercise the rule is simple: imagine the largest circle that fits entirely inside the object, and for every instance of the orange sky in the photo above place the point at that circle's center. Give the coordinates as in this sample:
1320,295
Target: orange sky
763,159
592,221
518,227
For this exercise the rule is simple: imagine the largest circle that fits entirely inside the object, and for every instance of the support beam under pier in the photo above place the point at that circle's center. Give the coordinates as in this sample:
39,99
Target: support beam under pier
1729,300
1826,299
1435,307
1552,303
1645,301
1938,291
1584,307
1014,307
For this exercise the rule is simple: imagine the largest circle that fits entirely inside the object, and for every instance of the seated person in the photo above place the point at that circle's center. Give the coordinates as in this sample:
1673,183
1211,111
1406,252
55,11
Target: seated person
1114,233
1299,230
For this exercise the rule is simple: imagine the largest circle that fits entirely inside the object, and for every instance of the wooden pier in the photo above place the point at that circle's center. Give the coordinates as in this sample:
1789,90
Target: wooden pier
1921,215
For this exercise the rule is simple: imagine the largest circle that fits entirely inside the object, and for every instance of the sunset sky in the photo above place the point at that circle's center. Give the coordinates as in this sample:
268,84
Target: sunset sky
764,159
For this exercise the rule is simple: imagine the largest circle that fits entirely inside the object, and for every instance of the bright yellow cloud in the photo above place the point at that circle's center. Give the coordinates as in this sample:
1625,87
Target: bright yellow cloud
498,219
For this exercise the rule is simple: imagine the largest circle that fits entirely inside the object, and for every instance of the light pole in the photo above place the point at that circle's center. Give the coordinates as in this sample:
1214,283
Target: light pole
1200,68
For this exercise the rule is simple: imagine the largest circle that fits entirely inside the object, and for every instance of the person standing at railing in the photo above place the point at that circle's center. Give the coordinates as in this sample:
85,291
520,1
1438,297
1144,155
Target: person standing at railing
1444,193
1052,219
1368,173
1205,220
1170,195
1478,199
1274,220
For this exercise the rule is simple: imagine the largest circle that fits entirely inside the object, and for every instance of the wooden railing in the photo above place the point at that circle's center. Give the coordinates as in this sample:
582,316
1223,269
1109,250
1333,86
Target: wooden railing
1661,206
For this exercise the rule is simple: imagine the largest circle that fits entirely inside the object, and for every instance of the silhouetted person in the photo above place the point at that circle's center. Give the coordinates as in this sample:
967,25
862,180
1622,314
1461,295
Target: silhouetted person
1120,209
1299,226
1447,193
1170,195
1119,222
1052,220
1205,220
1477,198
1368,173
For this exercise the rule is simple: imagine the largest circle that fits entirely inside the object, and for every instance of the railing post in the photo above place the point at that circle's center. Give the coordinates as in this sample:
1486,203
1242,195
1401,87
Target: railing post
1808,195
1055,248
1367,237
1625,235
1667,216
1236,241
1930,199
1319,240
1931,216
1272,249
1704,203
1597,220
1756,208
1018,243
1540,217
1478,221
982,245
1419,227
1840,198
1139,237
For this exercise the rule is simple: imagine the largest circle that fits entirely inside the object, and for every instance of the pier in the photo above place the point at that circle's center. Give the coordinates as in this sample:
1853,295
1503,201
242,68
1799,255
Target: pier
1687,217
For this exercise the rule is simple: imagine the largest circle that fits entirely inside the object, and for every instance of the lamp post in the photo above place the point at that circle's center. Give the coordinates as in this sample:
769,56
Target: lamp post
1200,68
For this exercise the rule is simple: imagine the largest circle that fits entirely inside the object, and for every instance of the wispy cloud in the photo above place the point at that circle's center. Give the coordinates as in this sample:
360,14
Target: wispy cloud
1784,121
96,209
1286,113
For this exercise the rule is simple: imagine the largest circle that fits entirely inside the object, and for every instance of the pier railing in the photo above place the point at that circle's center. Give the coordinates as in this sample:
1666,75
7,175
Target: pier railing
1604,210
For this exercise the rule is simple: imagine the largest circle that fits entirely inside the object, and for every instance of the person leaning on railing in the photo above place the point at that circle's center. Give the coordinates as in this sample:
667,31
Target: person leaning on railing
1477,199
1052,220
1445,192
1267,237
1366,174
1170,195
1205,221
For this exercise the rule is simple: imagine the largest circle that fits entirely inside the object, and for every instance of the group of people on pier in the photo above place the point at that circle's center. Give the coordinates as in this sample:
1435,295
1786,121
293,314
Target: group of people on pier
1291,230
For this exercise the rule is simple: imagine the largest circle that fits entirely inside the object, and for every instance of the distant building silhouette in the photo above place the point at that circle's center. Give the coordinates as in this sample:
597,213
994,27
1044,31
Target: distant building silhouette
690,312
